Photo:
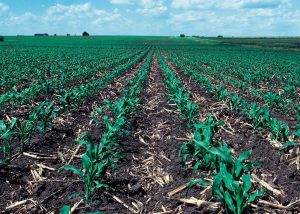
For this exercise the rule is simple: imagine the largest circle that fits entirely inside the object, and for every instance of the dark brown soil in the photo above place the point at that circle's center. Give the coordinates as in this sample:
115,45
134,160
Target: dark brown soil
154,163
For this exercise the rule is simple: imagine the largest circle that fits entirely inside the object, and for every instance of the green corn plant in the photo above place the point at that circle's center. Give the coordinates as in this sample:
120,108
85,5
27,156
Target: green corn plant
232,183
234,190
290,91
94,165
280,131
187,108
7,136
275,100
221,92
65,210
115,128
18,130
190,111
66,100
43,114
114,115
227,185
236,102
39,119
198,149
109,146
258,115
243,87
23,130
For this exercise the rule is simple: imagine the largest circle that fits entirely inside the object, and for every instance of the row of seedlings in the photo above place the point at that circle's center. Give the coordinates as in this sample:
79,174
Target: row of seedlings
259,116
102,156
231,175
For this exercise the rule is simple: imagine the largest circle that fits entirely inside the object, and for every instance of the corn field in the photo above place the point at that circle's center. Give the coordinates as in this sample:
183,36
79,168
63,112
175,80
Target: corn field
148,125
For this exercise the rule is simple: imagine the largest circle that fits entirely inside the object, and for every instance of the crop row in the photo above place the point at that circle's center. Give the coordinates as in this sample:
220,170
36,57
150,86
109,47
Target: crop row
19,68
58,85
101,156
79,94
232,176
283,102
16,133
259,116
254,66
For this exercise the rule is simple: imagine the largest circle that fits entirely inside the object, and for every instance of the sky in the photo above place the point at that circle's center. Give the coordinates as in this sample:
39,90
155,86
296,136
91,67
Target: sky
151,17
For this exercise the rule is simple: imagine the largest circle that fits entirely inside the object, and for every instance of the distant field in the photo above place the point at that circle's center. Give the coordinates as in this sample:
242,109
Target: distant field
129,124
94,41
284,42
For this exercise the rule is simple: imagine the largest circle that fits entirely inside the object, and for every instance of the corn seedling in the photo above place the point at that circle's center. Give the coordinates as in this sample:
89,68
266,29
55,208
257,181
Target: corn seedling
43,114
7,132
279,130
65,210
259,116
203,141
232,183
94,166
39,119
21,131
233,189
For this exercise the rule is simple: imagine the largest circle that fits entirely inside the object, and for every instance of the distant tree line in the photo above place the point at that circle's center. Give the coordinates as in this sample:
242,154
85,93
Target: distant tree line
41,34
1,38
196,36
46,34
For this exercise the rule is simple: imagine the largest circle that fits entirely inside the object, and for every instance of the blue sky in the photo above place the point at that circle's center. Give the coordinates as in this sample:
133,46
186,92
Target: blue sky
151,17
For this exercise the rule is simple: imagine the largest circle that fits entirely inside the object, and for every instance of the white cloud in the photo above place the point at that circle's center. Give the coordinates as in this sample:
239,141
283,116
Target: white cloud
235,4
80,13
69,9
149,8
154,11
152,3
191,16
122,1
234,17
104,16
145,3
3,8
191,4
22,18
228,4
61,19
60,12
